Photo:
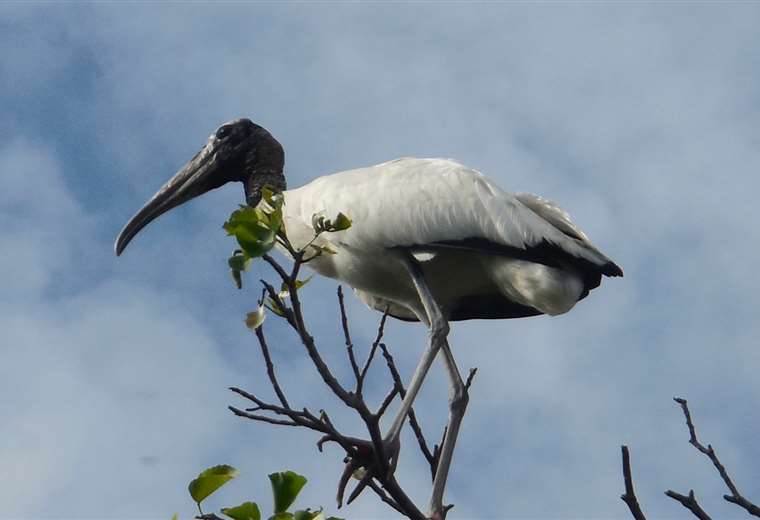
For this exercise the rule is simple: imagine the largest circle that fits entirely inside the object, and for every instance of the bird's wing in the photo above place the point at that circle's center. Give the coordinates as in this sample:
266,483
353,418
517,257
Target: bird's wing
440,203
553,214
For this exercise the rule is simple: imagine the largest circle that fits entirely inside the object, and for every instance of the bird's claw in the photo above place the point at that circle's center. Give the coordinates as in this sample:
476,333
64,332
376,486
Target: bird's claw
364,467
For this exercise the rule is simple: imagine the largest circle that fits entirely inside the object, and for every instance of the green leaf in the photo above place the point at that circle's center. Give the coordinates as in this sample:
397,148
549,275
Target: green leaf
275,307
238,261
175,517
274,199
210,480
253,230
285,486
301,283
268,195
253,320
281,516
245,511
285,292
308,514
341,223
275,219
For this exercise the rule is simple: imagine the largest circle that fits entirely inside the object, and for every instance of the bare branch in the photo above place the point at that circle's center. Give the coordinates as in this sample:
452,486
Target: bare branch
384,496
690,503
387,401
302,418
735,497
276,266
349,343
629,497
308,342
261,418
370,357
270,366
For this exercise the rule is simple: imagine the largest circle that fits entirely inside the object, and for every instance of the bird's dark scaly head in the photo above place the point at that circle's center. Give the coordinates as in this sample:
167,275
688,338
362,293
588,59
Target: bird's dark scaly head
239,151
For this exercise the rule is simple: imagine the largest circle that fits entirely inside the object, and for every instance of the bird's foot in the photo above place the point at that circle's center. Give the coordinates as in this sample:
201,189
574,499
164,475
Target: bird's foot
365,464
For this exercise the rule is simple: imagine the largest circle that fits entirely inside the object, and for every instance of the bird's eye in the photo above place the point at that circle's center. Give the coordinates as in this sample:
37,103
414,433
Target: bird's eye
223,132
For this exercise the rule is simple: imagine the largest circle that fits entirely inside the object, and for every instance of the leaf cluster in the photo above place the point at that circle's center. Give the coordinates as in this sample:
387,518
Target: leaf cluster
286,485
257,230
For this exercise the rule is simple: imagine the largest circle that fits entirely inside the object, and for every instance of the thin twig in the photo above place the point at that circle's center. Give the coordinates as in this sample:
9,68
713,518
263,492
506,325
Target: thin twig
347,335
629,497
270,366
276,266
262,418
690,503
437,451
371,355
387,401
735,497
311,349
384,496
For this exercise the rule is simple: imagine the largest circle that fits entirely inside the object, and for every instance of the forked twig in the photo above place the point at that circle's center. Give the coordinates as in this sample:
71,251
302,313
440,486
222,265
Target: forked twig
689,502
735,497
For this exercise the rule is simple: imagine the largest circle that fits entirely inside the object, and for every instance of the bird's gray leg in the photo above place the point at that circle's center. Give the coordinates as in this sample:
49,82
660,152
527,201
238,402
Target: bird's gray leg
458,399
438,330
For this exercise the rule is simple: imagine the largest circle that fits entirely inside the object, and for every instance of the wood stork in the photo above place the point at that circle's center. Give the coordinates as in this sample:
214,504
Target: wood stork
432,240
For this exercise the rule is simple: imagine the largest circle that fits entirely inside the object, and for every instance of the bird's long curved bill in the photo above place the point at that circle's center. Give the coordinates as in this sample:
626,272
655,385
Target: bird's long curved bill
194,179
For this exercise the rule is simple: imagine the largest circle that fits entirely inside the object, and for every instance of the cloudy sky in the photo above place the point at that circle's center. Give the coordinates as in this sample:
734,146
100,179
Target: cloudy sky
642,120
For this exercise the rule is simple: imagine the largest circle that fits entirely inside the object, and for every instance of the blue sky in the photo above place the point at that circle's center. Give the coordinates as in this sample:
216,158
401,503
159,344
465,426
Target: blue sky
639,119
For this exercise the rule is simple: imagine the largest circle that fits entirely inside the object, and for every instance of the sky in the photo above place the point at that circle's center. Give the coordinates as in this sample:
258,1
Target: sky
639,118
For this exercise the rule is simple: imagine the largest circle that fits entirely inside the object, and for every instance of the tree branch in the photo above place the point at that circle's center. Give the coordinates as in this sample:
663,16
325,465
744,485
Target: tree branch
629,497
270,366
347,335
735,497
690,503
370,357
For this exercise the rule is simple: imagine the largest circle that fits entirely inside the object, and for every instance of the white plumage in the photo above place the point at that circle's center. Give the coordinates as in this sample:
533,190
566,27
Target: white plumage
422,204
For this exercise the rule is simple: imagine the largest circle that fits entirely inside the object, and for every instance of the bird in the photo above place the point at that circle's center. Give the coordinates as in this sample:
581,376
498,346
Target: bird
432,241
